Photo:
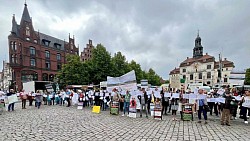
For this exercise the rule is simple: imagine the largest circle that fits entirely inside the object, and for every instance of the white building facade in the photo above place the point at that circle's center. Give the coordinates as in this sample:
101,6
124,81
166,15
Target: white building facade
201,70
6,76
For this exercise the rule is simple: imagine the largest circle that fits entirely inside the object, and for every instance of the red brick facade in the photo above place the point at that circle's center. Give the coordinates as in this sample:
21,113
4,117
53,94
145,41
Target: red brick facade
87,52
34,55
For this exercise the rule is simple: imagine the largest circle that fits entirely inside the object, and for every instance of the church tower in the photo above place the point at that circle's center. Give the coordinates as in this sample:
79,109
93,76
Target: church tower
198,49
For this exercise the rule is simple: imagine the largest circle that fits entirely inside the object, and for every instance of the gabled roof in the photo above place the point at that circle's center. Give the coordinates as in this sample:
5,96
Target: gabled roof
175,71
204,59
225,63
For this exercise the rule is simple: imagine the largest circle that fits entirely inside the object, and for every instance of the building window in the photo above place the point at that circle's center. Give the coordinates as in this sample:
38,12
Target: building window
32,51
184,76
200,75
27,31
45,42
13,58
59,66
208,66
45,77
47,54
191,76
32,62
47,65
225,79
13,45
58,56
208,75
183,70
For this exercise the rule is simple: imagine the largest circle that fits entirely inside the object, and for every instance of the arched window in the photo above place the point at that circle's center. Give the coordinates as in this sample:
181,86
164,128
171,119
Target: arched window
27,31
45,77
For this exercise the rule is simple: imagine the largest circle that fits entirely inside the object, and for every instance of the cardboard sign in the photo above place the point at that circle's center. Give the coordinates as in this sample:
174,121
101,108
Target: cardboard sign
220,99
185,96
176,95
157,94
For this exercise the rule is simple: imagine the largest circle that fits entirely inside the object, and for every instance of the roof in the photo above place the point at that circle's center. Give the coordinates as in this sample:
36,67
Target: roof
52,40
204,59
26,15
175,71
225,63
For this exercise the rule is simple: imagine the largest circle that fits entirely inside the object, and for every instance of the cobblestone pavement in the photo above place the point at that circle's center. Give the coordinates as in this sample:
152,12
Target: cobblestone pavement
68,123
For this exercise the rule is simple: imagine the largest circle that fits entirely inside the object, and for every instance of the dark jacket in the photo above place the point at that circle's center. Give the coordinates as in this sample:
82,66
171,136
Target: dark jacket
227,104
145,97
10,93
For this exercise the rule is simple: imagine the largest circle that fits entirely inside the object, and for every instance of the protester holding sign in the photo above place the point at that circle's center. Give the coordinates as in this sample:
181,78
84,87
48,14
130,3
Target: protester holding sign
11,105
202,105
245,106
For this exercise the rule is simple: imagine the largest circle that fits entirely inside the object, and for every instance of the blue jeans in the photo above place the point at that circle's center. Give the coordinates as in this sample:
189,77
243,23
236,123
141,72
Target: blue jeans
126,106
202,110
38,104
11,107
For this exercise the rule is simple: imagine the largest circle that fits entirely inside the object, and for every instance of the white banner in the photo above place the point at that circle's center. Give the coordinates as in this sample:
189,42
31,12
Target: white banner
124,82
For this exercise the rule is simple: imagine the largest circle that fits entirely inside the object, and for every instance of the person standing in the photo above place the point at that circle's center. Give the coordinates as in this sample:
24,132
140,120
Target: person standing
143,101
38,98
24,97
201,103
68,97
226,109
11,105
245,106
126,103
30,98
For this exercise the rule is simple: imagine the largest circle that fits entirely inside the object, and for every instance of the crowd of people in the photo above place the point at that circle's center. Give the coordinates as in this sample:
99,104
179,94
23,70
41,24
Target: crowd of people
229,109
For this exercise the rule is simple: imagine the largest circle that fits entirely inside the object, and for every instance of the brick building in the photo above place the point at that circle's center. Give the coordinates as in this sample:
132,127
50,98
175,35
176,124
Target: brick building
87,51
34,55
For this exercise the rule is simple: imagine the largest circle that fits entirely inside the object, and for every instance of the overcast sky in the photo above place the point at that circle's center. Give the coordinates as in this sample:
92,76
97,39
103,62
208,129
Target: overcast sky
158,34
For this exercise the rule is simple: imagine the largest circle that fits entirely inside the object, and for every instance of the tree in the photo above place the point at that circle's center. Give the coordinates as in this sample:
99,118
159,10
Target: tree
247,77
167,82
137,68
120,65
153,78
74,72
101,65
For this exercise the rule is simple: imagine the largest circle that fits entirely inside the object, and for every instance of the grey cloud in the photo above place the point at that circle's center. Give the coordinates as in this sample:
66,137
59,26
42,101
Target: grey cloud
155,34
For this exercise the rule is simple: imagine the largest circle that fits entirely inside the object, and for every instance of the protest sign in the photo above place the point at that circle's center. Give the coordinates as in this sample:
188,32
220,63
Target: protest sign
12,99
157,94
211,100
192,100
167,94
238,98
192,96
149,92
185,96
176,95
96,109
201,96
125,82
220,99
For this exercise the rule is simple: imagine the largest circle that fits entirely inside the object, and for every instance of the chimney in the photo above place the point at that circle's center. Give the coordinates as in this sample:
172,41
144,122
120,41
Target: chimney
225,59
187,57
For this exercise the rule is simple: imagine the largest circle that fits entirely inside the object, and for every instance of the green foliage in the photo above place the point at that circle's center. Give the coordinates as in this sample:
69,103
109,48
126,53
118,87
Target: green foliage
247,77
100,66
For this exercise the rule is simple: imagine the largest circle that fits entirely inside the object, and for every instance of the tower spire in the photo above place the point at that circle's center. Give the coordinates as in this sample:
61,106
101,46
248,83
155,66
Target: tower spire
198,35
26,15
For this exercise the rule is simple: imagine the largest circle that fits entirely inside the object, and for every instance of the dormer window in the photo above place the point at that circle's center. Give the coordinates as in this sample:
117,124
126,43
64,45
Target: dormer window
58,46
45,42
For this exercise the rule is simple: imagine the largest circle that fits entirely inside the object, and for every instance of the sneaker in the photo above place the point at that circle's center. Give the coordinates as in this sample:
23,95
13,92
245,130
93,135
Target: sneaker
140,116
146,116
123,115
246,122
205,122
247,116
199,121
235,118
228,124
